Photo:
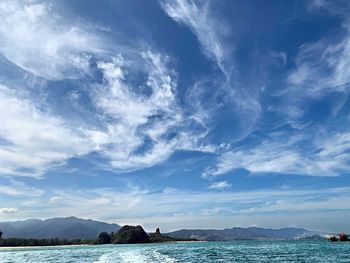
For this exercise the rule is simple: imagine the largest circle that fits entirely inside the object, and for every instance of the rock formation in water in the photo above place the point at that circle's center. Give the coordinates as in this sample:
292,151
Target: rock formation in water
104,238
158,237
130,235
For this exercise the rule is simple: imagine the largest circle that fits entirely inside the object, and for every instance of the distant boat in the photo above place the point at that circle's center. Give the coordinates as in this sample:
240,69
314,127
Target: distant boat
343,237
333,239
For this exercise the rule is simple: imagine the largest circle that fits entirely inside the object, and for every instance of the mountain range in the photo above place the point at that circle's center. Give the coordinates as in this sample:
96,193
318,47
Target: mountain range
77,228
63,228
237,233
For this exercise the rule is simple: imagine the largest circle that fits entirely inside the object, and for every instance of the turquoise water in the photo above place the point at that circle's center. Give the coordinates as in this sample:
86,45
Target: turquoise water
237,251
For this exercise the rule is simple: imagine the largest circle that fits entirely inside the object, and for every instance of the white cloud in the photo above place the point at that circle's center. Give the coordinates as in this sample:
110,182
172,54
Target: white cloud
33,139
174,209
35,38
8,210
321,67
328,157
332,203
142,119
18,189
139,124
220,185
208,95
55,199
209,31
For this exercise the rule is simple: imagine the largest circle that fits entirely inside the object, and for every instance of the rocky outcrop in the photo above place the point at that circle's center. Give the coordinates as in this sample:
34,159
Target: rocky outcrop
103,238
158,237
130,235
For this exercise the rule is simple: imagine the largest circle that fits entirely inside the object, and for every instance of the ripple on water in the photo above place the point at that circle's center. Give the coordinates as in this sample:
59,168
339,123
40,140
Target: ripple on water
237,251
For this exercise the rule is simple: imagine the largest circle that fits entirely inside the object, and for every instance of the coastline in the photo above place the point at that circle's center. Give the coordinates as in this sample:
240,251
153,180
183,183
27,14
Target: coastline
53,246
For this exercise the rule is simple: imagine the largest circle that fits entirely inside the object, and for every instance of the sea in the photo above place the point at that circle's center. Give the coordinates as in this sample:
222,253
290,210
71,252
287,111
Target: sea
235,251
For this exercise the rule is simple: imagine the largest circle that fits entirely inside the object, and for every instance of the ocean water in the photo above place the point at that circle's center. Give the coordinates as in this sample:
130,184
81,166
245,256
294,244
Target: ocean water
236,251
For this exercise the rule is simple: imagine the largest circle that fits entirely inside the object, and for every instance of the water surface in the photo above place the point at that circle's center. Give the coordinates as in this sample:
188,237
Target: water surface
236,251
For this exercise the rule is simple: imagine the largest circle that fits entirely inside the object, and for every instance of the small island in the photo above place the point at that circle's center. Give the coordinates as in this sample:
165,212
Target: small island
134,235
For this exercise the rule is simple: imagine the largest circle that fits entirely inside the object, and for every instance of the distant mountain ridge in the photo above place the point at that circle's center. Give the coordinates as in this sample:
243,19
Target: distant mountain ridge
237,233
63,228
78,228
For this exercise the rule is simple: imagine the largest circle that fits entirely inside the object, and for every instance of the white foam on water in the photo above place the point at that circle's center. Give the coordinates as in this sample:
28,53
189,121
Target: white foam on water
164,258
134,256
108,258
103,259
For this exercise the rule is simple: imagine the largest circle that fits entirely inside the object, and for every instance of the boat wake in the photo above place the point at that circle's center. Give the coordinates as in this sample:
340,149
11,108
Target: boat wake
108,257
135,256
160,257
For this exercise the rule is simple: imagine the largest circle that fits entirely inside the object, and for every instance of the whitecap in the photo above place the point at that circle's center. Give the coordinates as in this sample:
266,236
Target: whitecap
107,258
133,256
163,257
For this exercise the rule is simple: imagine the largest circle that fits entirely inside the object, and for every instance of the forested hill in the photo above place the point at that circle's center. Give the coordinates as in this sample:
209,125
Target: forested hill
63,228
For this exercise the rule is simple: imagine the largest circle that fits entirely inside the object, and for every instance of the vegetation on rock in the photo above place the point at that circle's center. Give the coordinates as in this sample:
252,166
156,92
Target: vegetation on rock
125,235
23,242
158,237
104,238
130,235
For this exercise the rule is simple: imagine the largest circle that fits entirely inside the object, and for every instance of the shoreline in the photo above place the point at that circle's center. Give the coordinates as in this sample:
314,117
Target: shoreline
53,246
152,243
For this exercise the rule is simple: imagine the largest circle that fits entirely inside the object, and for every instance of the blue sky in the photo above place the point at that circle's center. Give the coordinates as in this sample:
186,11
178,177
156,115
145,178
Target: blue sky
178,114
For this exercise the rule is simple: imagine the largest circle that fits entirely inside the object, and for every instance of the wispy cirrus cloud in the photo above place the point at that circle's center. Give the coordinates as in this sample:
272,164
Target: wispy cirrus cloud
33,139
221,185
325,156
19,189
160,208
136,117
321,67
37,39
139,120
209,31
135,132
145,126
211,94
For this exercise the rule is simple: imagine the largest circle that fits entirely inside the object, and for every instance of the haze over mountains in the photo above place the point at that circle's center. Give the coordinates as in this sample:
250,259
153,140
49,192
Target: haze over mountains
63,228
77,228
237,233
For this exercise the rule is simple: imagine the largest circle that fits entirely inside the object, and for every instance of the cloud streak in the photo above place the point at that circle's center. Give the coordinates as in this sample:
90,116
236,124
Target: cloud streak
37,39
33,139
139,121
144,127
320,68
208,30
137,205
327,157
221,185
8,210
209,95
18,189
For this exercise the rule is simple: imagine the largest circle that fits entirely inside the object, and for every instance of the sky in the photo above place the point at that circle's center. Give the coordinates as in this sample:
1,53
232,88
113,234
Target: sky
176,113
